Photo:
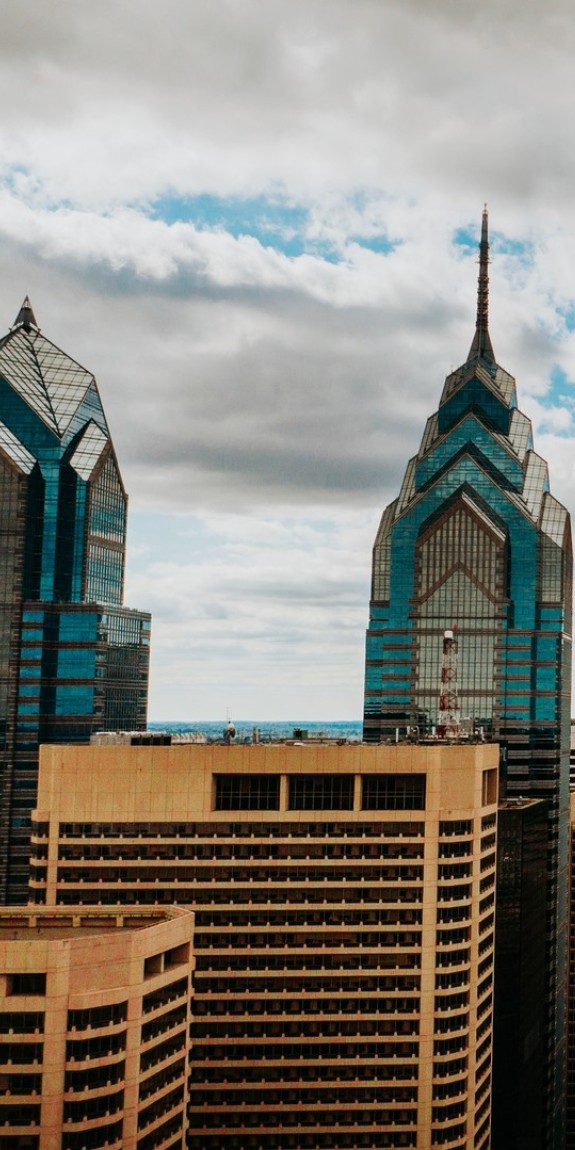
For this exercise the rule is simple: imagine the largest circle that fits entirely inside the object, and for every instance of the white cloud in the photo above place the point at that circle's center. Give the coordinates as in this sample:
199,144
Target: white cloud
262,613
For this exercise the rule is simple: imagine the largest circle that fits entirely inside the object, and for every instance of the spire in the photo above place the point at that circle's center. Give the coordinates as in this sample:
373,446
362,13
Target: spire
481,345
25,317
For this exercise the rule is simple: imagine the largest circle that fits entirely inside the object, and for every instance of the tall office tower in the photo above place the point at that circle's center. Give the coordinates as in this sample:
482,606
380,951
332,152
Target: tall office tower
344,926
476,540
94,1028
72,659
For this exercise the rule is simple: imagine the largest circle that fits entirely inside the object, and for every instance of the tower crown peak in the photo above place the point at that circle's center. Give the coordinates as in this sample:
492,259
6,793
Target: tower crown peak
481,345
25,317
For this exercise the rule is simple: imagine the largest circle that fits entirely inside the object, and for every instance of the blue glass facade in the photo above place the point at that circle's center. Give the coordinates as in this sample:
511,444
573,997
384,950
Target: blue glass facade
73,660
475,540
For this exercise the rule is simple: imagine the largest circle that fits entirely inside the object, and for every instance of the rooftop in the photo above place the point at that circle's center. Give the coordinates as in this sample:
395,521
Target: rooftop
51,923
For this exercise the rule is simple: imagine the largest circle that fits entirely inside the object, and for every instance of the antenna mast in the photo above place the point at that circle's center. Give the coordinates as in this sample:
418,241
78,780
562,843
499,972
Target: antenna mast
449,719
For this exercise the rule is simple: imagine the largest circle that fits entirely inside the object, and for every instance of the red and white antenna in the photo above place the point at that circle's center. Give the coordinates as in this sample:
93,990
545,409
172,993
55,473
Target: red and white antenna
449,720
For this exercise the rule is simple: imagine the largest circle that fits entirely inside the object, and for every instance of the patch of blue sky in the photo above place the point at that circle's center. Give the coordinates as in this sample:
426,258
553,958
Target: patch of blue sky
559,395
14,175
561,391
184,537
371,211
19,181
466,238
522,251
194,538
568,316
378,243
272,220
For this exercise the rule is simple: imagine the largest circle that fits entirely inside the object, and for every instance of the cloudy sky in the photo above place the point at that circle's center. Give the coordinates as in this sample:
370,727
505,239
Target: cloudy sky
256,222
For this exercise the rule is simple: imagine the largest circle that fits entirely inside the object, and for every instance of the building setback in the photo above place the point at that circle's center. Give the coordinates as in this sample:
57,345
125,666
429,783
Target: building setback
73,660
344,926
476,541
94,1027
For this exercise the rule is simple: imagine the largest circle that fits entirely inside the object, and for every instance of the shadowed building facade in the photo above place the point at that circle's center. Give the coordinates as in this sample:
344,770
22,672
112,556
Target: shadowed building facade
476,540
73,660
518,1035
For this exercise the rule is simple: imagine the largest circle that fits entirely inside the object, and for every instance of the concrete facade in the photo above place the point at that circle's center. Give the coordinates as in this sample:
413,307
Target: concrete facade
94,1027
344,910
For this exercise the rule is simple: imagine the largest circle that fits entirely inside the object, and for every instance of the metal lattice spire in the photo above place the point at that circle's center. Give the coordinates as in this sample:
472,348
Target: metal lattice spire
481,345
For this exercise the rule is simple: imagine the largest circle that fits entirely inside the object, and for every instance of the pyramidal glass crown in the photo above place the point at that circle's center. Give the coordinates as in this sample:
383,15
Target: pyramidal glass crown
475,540
73,660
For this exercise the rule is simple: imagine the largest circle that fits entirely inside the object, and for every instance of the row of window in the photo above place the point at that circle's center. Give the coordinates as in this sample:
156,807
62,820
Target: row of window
328,916
332,1139
109,1135
20,1083
242,850
158,1136
151,1113
338,959
165,994
173,830
161,1079
260,1119
403,1065
239,1075
357,1006
297,939
215,896
97,1017
319,792
91,1108
164,1022
319,1028
95,1077
21,1022
271,874
103,1046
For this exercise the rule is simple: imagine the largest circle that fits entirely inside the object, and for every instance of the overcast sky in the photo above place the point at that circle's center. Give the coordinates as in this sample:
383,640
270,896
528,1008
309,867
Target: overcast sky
256,222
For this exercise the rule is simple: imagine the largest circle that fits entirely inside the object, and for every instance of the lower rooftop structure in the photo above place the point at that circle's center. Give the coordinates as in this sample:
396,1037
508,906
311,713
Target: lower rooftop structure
94,1027
344,926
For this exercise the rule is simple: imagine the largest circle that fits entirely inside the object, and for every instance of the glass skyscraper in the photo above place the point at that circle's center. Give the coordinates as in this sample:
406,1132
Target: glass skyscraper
73,660
476,541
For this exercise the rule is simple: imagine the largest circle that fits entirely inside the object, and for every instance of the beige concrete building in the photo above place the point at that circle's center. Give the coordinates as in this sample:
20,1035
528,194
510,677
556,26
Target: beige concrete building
344,909
94,1027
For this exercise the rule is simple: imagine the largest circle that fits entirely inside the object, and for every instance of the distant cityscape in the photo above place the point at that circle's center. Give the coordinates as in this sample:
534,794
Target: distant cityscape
288,728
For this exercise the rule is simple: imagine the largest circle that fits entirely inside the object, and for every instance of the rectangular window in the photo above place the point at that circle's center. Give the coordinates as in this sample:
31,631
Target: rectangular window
247,792
393,792
321,792
489,788
27,984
